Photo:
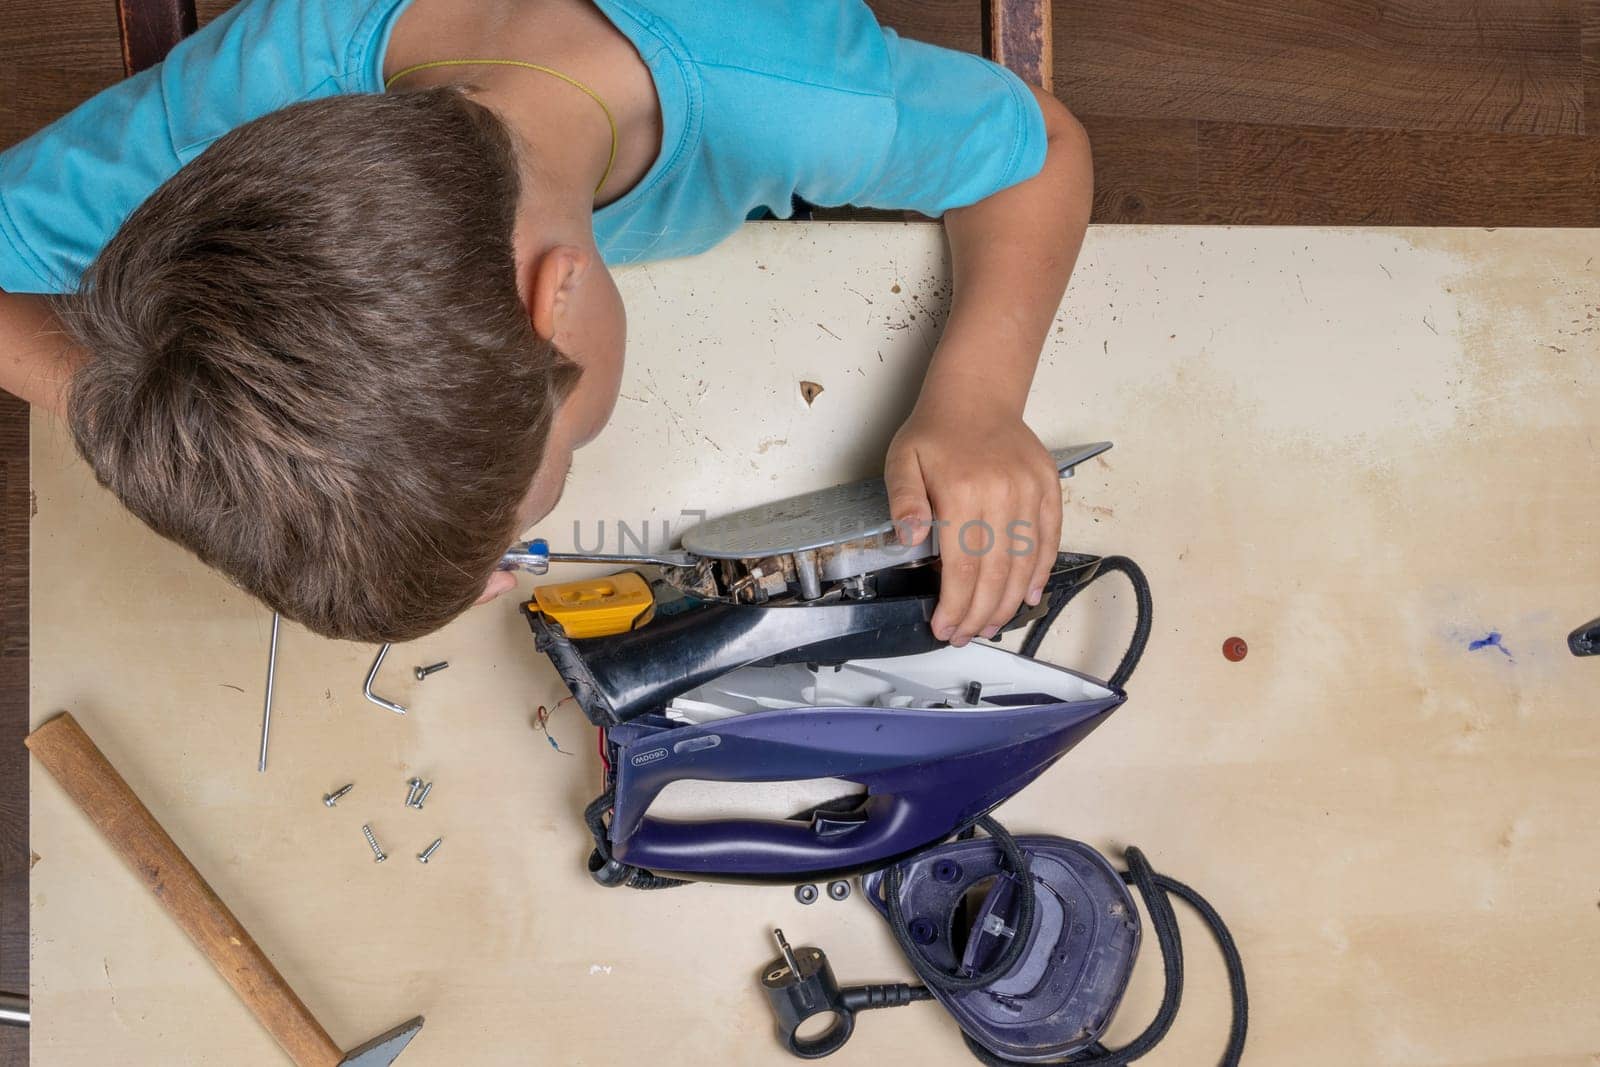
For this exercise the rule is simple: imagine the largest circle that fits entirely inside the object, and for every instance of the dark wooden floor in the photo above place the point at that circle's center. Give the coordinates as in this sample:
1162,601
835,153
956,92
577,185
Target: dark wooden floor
1325,112
1416,112
14,514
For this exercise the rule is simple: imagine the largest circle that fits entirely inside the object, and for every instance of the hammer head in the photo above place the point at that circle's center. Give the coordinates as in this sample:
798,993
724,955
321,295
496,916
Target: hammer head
382,1050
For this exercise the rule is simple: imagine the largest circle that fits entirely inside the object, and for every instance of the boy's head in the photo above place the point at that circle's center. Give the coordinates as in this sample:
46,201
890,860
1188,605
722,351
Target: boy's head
324,358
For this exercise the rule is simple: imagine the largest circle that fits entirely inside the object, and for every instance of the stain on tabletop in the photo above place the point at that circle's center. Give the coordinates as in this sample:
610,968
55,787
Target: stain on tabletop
1492,639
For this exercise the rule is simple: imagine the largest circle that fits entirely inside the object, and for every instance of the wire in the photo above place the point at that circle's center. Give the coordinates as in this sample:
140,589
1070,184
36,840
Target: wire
541,722
1144,608
611,160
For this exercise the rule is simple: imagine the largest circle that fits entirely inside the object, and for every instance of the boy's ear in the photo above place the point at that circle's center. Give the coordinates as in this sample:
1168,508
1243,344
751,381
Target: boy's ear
552,288
499,582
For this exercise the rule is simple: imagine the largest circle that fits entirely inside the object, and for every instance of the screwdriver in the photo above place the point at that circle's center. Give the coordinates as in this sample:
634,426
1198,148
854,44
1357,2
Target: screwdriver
535,557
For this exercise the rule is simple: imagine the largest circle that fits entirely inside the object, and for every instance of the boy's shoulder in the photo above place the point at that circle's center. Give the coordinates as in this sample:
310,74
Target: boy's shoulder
822,43
66,189
815,100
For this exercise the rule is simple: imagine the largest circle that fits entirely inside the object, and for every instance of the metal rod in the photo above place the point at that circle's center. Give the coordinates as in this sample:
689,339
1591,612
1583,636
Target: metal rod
366,689
794,968
805,572
266,710
13,1010
535,557
662,559
788,953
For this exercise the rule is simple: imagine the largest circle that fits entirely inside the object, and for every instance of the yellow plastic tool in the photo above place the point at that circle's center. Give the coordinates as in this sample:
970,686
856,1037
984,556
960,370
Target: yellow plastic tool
597,607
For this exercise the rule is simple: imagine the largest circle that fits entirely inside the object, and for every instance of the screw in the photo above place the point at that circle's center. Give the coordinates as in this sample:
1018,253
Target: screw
423,672
806,893
422,857
373,841
839,890
330,799
423,796
411,797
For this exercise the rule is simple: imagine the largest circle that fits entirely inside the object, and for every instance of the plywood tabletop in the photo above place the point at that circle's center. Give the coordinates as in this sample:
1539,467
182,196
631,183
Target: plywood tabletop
1363,452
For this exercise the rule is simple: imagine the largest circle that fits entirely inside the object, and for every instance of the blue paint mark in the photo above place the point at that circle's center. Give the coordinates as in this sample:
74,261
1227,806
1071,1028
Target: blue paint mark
1491,640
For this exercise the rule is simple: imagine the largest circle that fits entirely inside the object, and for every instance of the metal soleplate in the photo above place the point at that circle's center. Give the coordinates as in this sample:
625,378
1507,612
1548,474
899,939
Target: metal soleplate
819,519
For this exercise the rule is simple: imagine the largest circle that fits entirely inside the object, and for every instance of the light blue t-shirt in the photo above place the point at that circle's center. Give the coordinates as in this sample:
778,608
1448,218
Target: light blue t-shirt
761,101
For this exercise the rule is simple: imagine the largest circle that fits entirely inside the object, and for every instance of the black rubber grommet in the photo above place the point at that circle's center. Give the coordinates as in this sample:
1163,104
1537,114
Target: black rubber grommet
839,890
609,873
806,893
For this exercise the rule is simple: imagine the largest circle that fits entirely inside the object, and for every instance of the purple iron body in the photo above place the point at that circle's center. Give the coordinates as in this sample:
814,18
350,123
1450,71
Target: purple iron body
922,737
925,773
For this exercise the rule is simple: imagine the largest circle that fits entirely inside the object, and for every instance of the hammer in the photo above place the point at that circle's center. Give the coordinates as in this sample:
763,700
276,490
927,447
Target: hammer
101,794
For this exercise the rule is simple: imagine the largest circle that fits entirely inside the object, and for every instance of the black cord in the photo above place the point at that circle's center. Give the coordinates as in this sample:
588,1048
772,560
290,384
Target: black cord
945,980
1142,621
594,817
1230,959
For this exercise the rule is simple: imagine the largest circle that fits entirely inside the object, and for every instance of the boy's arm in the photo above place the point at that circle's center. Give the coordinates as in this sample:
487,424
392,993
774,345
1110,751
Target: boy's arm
36,358
965,454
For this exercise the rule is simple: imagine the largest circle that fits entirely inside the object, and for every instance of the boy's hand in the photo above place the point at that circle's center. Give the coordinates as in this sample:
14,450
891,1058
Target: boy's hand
997,496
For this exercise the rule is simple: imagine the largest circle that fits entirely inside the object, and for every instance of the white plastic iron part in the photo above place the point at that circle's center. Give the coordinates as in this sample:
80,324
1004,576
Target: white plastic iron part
940,678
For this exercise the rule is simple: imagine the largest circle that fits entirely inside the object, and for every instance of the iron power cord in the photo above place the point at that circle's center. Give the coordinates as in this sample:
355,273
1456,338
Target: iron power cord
606,869
1141,627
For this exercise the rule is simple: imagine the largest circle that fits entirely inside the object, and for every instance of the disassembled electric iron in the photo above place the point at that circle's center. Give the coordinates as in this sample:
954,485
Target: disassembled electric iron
791,642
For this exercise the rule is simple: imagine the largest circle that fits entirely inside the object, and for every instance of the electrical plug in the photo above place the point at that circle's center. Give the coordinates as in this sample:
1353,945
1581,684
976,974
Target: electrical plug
801,988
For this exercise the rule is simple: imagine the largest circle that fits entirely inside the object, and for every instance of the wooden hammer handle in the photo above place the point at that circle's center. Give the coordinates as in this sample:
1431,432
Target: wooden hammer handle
94,785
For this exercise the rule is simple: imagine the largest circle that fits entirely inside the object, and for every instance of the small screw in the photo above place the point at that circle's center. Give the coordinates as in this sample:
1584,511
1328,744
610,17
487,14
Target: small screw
373,841
423,672
839,890
423,796
411,797
806,893
422,857
330,799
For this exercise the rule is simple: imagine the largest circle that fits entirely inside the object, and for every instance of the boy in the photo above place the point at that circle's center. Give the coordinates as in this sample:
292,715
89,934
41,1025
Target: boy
341,342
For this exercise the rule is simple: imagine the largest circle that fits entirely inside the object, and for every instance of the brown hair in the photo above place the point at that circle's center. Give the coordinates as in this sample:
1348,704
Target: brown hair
311,366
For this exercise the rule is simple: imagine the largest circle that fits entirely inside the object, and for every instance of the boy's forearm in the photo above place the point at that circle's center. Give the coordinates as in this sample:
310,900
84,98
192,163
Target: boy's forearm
1012,256
36,358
